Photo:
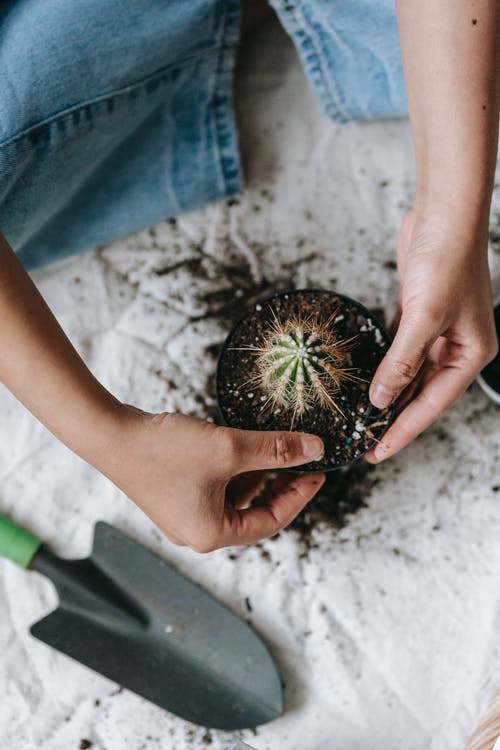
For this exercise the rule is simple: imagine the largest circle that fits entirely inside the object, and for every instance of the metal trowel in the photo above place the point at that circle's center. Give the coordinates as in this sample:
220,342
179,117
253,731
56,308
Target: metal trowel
129,615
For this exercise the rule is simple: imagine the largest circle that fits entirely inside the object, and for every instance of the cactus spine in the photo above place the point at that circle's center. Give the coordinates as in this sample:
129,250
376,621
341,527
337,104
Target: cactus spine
302,363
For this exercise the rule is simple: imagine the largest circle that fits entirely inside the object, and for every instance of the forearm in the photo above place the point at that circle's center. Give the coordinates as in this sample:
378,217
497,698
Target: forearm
39,365
452,69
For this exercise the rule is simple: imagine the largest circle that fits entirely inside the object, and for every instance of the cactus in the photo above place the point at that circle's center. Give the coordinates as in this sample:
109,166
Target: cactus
302,363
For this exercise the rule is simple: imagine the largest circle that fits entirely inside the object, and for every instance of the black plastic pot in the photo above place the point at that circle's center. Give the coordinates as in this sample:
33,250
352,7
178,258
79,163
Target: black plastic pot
489,377
256,316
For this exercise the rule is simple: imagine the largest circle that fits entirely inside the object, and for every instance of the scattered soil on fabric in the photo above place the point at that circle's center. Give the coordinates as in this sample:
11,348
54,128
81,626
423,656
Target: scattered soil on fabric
348,432
345,492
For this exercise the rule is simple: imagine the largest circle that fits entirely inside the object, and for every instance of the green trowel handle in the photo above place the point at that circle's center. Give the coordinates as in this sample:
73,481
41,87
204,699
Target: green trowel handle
16,544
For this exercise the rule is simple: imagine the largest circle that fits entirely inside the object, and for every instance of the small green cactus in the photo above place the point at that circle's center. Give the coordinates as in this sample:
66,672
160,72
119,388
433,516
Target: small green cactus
302,363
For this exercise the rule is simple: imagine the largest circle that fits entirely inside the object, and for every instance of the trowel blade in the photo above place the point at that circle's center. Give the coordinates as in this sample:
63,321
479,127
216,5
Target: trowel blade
129,615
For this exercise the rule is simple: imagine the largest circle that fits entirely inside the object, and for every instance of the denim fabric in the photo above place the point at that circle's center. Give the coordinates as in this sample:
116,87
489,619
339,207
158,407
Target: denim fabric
350,51
116,114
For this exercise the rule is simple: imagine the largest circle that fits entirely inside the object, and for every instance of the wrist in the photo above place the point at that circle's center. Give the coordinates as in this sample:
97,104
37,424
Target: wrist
115,432
93,427
468,205
457,179
461,225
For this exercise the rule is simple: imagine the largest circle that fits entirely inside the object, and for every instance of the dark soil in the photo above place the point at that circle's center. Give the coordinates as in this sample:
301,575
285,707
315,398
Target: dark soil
342,495
346,436
491,372
345,492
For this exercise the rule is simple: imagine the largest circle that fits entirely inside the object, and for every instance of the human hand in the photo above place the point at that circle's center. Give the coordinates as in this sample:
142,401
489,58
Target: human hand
197,481
445,332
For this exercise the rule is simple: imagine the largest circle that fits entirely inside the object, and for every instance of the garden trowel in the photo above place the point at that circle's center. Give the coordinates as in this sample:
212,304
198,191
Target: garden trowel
129,615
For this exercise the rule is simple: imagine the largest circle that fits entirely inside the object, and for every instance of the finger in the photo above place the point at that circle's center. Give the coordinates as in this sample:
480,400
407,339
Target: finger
414,338
284,500
249,450
243,488
404,241
440,391
280,483
394,324
426,372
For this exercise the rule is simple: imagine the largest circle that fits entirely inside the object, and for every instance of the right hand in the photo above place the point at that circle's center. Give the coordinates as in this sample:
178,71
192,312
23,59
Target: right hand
197,481
445,332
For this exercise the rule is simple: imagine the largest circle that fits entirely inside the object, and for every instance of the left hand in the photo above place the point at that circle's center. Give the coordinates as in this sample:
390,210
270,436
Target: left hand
445,328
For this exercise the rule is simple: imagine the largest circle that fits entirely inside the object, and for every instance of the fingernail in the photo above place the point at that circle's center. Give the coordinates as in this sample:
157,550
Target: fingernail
380,452
380,396
312,446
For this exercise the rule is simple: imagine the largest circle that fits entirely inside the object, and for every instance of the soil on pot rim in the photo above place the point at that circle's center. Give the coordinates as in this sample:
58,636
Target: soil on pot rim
346,436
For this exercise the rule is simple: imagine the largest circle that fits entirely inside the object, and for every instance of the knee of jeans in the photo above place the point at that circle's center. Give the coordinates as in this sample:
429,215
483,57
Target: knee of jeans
55,55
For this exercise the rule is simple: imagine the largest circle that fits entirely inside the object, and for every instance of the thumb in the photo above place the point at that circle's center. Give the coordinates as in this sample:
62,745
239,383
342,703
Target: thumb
403,361
252,449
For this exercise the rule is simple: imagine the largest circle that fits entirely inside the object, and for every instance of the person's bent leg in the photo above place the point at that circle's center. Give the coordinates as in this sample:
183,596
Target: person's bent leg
113,116
351,54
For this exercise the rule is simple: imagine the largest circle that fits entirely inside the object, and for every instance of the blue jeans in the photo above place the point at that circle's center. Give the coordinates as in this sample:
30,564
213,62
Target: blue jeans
116,114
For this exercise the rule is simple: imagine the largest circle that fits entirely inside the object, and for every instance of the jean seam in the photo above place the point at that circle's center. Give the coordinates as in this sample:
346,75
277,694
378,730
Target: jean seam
113,94
225,125
301,31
